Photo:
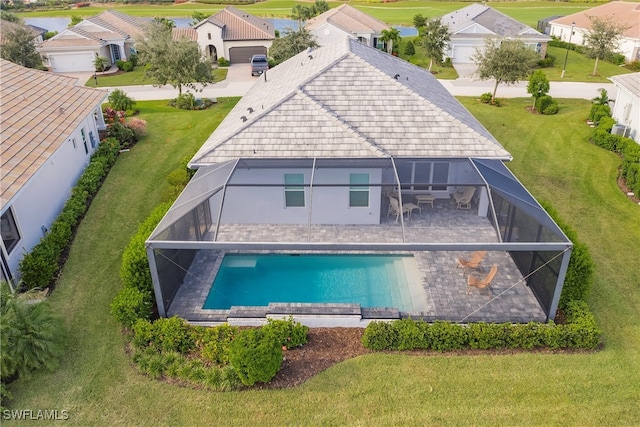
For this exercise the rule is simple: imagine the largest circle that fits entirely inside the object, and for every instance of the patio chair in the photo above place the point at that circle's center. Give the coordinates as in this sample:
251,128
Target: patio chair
394,208
477,281
473,262
463,198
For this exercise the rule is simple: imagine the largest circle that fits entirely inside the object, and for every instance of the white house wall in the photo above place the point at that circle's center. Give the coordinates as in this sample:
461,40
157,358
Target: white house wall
629,47
327,34
42,198
266,205
204,41
626,111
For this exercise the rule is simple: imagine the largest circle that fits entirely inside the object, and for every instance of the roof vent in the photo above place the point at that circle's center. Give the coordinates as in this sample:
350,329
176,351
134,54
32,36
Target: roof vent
61,110
310,56
243,118
397,76
250,110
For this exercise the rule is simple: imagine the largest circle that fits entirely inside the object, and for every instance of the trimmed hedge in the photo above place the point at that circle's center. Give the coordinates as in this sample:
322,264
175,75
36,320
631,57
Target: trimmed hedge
38,268
256,356
580,332
628,149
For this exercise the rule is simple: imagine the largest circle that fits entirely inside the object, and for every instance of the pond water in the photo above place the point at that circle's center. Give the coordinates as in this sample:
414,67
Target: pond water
59,24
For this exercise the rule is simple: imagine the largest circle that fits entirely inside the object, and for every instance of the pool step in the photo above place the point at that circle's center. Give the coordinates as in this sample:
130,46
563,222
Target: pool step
415,288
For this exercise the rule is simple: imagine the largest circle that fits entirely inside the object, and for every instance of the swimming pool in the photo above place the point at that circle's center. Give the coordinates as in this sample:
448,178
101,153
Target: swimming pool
368,280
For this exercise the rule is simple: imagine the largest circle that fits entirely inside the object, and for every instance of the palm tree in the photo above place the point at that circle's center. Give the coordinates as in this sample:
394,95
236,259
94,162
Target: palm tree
389,37
300,13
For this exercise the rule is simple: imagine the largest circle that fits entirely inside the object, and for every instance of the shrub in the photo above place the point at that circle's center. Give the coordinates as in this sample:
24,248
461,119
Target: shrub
380,336
288,332
39,266
223,62
633,66
543,102
581,328
131,304
133,59
255,355
616,58
447,62
488,335
127,67
551,109
548,61
599,111
32,336
138,126
409,49
214,342
485,98
120,101
171,334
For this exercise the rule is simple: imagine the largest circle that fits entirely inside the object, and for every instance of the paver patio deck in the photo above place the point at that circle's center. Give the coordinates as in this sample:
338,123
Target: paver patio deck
445,288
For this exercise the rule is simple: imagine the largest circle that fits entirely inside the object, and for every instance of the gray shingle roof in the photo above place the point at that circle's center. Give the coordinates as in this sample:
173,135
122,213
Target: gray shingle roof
344,100
491,19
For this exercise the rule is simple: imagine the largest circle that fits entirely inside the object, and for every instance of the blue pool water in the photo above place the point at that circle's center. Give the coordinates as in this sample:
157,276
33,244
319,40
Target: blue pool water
257,280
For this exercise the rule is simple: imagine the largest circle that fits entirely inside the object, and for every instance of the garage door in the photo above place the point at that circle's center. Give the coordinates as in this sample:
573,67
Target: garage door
65,63
463,54
244,54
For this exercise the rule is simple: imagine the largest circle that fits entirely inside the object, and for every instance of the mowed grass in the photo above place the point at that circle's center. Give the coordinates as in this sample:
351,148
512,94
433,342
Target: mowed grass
394,13
419,59
136,77
580,67
99,386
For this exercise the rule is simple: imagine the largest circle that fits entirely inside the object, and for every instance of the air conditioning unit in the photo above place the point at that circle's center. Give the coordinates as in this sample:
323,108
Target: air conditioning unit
618,130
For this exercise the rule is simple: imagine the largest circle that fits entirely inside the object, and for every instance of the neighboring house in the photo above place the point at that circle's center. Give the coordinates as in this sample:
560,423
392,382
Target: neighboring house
49,131
626,109
8,26
234,35
111,35
346,21
626,14
318,157
470,26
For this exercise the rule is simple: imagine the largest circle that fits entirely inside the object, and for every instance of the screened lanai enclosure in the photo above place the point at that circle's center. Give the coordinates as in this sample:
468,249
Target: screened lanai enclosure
234,214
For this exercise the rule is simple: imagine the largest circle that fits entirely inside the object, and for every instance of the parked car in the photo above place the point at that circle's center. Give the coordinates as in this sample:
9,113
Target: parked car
259,64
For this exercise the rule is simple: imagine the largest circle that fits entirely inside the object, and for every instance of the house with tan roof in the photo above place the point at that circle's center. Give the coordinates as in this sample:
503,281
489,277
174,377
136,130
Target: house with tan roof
626,109
470,26
345,152
49,131
7,26
111,35
624,13
346,21
234,35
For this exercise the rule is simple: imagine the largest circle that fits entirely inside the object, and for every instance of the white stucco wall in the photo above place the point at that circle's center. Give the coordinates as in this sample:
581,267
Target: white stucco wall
327,34
629,47
204,40
626,111
266,205
42,198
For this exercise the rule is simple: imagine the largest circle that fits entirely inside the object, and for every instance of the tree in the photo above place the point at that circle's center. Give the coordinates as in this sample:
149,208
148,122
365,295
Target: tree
435,39
120,101
100,63
301,13
320,6
75,20
31,336
419,21
198,17
18,47
291,44
164,21
603,38
538,85
175,62
389,37
409,49
504,60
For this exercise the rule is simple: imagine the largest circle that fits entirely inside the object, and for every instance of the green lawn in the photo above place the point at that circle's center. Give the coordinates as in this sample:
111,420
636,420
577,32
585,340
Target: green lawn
99,386
580,68
136,77
420,60
394,13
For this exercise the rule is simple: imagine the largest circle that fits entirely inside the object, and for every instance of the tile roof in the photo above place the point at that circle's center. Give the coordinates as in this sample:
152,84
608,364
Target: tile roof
344,100
491,19
239,25
623,13
38,112
128,26
630,82
348,19
185,33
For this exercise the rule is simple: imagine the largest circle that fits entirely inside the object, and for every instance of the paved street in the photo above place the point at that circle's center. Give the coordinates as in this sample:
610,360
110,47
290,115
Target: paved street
239,80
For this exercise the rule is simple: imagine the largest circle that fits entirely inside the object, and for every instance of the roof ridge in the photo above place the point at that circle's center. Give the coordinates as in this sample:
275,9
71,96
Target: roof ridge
349,128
